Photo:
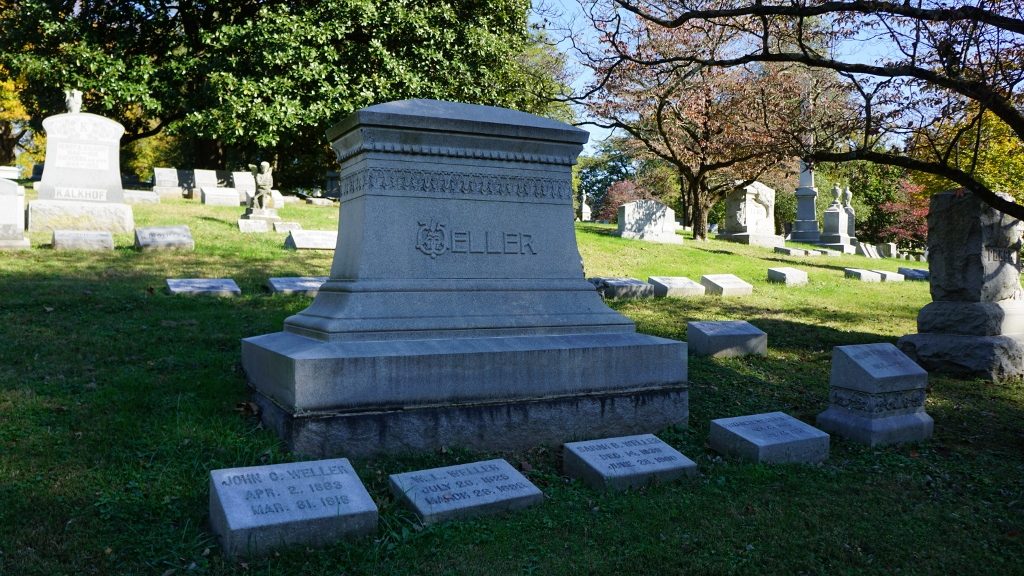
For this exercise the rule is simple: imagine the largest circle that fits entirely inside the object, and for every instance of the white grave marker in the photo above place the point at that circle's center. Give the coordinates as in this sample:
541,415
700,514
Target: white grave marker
625,462
82,240
203,286
726,285
675,286
164,238
311,240
726,338
862,275
788,276
306,286
774,438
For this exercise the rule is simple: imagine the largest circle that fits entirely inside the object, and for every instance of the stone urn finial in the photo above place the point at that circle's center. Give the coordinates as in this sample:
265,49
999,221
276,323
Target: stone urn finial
836,192
847,197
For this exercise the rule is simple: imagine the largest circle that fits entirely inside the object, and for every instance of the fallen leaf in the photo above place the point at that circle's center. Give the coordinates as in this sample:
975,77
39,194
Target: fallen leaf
525,466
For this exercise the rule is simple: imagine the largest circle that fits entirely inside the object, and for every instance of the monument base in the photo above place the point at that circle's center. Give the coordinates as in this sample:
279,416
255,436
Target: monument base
767,240
989,357
805,231
972,318
15,244
50,215
268,214
658,238
896,429
488,393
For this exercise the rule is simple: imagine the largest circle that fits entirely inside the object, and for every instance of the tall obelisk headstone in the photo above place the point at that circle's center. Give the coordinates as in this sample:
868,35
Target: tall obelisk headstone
81,184
457,313
805,228
975,323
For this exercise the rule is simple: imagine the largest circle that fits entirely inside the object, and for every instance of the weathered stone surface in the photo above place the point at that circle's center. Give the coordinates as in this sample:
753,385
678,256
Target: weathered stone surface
10,172
791,251
311,240
320,201
50,215
304,285
164,238
888,276
214,196
203,286
625,462
141,197
973,318
725,285
835,222
286,226
675,286
82,240
887,250
750,216
622,288
259,509
726,338
253,226
805,227
83,162
204,179
464,490
787,275
990,357
12,216
914,273
773,437
862,275
876,396
648,220
243,181
865,249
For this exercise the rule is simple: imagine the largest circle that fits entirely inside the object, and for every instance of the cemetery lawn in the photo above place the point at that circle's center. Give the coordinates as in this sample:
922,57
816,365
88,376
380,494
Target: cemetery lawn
116,400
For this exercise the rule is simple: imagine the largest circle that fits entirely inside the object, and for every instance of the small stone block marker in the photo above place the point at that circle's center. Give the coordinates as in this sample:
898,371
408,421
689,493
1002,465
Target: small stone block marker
247,226
622,288
464,490
675,286
888,276
306,286
203,286
82,240
773,438
726,338
257,509
286,226
214,196
625,462
914,273
790,251
876,396
862,275
788,276
726,285
311,240
164,238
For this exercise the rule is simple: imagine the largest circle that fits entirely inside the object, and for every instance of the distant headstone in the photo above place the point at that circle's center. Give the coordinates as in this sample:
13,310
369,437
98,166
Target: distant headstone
750,216
320,201
726,338
586,214
10,172
805,227
12,216
311,240
865,249
171,182
464,490
774,438
787,275
648,220
164,238
287,226
836,225
675,286
622,288
258,509
862,275
245,183
914,273
625,462
305,286
887,250
37,172
203,286
726,285
253,226
876,396
888,275
205,179
141,197
791,251
219,196
82,240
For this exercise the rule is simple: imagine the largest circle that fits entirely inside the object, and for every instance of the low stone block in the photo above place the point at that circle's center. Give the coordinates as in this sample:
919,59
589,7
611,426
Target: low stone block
914,274
170,191
788,276
256,510
774,437
319,202
625,462
726,338
286,226
876,396
464,490
790,251
246,226
141,197
725,285
831,253
219,196
862,275
989,357
50,215
82,240
622,288
972,318
887,250
203,286
164,238
865,249
306,286
888,276
311,240
675,286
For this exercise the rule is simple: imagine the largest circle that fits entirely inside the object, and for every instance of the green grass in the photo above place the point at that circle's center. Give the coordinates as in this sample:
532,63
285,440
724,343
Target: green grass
117,399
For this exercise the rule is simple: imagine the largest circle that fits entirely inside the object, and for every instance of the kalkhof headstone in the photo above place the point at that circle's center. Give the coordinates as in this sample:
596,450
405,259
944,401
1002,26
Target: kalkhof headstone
805,228
259,509
774,438
311,240
974,325
203,286
648,220
93,240
876,396
750,216
625,462
12,216
164,238
787,275
835,235
726,285
862,275
81,184
464,490
303,285
726,338
622,288
675,286
456,297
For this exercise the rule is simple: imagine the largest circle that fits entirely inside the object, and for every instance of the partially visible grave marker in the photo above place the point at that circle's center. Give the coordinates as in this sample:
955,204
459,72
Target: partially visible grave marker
773,438
203,286
164,238
625,462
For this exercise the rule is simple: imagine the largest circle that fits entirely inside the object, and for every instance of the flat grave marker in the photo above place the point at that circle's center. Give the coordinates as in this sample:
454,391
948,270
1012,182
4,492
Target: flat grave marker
249,226
311,240
82,240
203,286
791,251
774,437
788,276
622,287
304,285
862,275
625,462
464,490
726,338
888,276
914,274
675,286
286,226
726,285
213,196
164,238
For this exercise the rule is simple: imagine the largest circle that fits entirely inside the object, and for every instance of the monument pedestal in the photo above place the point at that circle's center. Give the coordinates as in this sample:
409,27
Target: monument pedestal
989,357
268,214
50,215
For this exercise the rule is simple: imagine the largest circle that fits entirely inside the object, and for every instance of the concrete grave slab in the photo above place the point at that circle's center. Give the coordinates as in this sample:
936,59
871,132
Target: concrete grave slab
214,196
773,437
311,240
303,285
12,216
622,288
164,238
862,275
50,215
246,226
625,462
726,338
788,276
286,226
675,286
259,509
725,285
203,286
82,240
790,251
464,490
888,276
914,274
141,197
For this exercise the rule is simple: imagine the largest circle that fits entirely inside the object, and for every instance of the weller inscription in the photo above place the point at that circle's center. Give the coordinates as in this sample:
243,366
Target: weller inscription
435,238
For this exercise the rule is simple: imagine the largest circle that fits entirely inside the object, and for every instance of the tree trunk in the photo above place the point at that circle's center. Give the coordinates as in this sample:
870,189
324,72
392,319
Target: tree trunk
8,143
684,201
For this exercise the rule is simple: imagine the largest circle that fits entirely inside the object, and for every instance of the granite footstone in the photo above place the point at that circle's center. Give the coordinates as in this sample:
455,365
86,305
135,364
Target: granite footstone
623,288
464,491
726,338
203,286
790,251
164,238
12,216
260,509
788,276
296,285
675,287
93,240
914,274
287,226
213,196
862,275
888,275
625,462
311,240
246,226
725,285
141,197
773,438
